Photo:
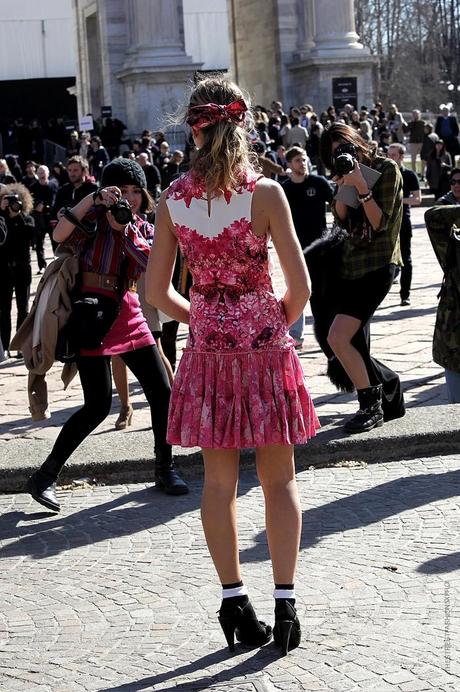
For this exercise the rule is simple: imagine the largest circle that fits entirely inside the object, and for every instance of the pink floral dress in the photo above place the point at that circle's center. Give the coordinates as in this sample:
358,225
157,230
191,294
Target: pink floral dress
239,382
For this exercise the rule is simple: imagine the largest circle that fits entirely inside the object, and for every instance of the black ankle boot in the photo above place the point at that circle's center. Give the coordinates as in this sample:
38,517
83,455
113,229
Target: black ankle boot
166,476
242,622
370,414
42,484
286,631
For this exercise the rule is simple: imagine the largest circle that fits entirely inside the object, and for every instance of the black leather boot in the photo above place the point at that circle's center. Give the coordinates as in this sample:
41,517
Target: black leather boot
42,484
166,476
370,414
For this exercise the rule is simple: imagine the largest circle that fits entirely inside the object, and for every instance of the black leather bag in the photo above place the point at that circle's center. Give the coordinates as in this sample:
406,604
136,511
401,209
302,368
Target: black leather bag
93,315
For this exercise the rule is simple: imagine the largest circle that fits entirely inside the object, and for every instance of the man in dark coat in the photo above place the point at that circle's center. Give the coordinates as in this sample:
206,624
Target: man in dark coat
447,129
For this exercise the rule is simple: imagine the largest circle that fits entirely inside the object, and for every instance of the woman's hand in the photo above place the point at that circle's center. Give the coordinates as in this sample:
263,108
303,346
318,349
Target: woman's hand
355,178
107,196
338,180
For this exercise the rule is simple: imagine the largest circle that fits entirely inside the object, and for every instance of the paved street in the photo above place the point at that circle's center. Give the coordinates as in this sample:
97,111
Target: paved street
118,592
401,336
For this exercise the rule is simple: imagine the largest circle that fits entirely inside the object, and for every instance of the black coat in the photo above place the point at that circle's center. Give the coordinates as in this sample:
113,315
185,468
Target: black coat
18,232
452,143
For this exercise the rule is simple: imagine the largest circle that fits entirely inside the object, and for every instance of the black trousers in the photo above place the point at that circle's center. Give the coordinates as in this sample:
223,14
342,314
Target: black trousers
378,373
405,239
42,227
360,298
13,280
169,329
96,381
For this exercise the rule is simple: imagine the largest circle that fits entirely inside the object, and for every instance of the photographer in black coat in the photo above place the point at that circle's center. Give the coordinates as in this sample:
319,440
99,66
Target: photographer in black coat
16,232
44,193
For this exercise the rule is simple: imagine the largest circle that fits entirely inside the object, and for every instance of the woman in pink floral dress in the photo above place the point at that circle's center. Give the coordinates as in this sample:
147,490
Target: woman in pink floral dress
239,383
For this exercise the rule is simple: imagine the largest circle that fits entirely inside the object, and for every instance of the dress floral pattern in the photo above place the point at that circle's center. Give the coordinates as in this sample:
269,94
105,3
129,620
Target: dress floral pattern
239,382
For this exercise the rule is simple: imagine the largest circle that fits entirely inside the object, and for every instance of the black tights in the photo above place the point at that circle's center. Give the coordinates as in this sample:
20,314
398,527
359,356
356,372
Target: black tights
96,381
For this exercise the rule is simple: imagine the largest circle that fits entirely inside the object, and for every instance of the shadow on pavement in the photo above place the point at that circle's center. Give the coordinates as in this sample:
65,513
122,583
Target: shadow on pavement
114,519
262,657
368,507
41,539
441,564
60,415
410,313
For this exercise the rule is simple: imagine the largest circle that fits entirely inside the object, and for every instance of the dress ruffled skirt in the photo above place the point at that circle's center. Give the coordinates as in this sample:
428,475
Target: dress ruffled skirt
237,400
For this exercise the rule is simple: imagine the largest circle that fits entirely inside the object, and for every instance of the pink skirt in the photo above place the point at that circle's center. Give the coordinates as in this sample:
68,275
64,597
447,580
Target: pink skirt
129,332
237,400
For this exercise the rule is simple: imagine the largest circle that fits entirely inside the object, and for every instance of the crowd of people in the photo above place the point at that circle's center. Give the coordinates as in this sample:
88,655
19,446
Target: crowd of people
239,382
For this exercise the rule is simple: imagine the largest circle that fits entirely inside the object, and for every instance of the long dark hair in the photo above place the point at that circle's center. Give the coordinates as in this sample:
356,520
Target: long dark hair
434,154
339,132
148,203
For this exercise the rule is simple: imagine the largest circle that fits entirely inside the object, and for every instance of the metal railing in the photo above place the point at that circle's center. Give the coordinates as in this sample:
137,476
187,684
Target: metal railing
53,152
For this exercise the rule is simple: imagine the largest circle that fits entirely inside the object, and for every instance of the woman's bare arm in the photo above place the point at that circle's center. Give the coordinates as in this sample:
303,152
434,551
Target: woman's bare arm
271,201
159,290
64,228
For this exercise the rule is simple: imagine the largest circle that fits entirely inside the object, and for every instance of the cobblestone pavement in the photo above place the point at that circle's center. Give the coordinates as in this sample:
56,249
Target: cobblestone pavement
118,593
401,336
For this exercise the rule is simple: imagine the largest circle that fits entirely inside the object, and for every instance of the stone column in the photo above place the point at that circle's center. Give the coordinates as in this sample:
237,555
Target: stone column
310,22
155,32
156,69
306,28
335,27
337,55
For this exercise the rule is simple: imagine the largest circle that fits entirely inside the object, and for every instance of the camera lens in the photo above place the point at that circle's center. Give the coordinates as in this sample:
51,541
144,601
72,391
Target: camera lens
344,163
121,212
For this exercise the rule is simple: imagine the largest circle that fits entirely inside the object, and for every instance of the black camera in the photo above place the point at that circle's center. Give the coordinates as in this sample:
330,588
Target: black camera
121,212
14,202
344,158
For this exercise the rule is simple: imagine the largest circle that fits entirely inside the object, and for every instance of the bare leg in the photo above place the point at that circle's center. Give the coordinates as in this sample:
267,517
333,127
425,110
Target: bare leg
218,511
342,330
120,377
283,519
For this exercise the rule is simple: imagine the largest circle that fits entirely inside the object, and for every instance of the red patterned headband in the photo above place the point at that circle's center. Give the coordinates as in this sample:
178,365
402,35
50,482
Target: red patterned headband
212,113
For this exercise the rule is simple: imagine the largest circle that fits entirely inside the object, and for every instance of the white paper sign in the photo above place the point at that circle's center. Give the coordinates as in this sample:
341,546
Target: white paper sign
86,123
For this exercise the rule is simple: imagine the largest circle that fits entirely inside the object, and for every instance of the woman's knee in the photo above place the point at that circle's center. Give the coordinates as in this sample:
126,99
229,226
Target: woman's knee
336,339
223,493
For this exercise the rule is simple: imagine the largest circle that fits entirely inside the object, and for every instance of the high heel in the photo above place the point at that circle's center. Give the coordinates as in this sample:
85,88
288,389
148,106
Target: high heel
242,622
286,631
228,628
124,419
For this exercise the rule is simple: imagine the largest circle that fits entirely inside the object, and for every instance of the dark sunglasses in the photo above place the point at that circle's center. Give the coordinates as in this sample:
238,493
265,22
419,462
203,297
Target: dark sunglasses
455,181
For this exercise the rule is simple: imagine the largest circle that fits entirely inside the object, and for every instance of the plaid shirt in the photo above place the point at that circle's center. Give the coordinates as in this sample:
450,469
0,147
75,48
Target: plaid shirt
109,249
366,250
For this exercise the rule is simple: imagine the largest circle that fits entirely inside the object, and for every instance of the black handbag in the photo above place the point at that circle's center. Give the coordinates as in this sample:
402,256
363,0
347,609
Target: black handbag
93,315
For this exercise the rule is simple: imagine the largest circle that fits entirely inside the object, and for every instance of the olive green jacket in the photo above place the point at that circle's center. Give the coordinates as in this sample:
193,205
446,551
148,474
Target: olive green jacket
443,225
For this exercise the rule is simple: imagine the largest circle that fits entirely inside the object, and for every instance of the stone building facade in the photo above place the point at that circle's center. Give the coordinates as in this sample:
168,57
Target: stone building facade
299,51
132,56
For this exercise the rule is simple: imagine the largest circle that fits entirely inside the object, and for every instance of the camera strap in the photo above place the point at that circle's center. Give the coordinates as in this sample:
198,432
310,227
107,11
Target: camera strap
88,229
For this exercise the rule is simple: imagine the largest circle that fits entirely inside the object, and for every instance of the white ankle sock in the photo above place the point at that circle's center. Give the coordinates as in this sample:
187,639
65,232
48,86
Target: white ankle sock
284,593
235,591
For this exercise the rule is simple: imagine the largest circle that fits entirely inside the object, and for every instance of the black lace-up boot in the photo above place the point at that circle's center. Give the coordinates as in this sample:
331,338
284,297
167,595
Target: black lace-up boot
370,414
166,476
